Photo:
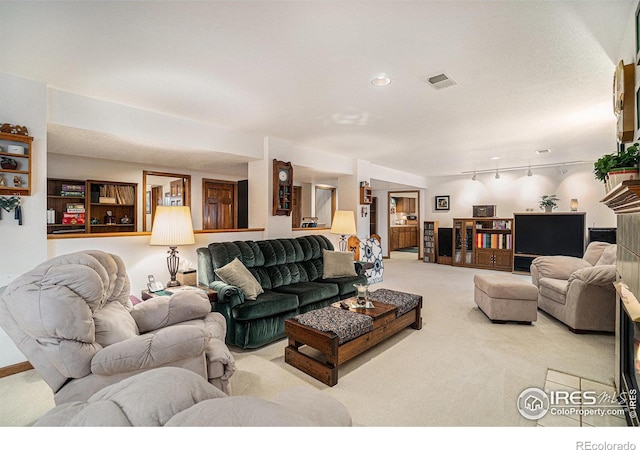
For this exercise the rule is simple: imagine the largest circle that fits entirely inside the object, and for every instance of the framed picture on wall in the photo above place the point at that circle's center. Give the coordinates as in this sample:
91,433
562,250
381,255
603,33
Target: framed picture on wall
442,203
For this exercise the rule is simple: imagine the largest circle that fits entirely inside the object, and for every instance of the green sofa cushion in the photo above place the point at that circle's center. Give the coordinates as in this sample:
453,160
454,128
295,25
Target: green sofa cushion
267,304
311,292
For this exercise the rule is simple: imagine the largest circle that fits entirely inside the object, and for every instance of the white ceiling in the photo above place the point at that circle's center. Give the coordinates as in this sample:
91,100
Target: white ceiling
531,75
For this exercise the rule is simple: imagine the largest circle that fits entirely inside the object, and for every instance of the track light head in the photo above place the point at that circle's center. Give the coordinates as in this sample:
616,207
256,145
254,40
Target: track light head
474,177
563,169
497,175
529,172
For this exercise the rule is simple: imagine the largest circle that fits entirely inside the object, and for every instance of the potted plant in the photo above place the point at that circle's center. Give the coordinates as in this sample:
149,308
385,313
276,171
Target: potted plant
615,168
548,202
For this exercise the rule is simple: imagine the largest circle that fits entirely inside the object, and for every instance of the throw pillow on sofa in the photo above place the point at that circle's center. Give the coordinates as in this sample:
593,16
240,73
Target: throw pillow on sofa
236,274
338,264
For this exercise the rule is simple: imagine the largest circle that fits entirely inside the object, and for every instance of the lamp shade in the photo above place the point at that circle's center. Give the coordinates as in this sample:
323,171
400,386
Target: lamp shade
344,222
172,226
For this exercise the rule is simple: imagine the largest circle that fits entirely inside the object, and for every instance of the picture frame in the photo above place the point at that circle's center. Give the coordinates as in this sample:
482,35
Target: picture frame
442,202
147,202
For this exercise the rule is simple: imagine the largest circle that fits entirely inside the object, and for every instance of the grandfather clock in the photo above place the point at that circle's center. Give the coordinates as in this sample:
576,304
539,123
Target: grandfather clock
282,188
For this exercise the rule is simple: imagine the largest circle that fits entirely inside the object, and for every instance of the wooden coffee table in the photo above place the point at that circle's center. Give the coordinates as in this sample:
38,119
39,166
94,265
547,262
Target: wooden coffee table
332,354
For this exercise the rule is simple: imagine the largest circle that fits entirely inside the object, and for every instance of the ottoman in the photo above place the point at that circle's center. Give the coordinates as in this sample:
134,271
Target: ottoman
506,298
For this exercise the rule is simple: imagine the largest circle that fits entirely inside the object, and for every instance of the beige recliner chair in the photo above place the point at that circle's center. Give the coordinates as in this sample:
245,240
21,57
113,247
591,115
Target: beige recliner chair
175,397
579,291
73,319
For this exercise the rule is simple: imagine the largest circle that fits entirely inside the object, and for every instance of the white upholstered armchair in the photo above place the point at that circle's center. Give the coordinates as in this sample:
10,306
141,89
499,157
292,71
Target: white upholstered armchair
73,319
579,291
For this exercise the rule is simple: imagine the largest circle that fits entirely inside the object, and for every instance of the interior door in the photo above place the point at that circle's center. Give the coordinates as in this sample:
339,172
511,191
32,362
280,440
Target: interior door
296,207
219,204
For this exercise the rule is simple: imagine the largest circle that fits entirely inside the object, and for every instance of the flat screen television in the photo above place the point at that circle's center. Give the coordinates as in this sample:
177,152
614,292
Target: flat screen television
549,234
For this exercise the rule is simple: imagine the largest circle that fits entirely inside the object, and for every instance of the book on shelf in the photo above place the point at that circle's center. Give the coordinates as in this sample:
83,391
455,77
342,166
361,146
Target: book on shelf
123,195
73,218
72,190
495,241
72,230
75,207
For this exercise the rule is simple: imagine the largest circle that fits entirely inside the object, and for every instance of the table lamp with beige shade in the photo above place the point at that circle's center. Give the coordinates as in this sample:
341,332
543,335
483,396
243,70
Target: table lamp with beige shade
172,227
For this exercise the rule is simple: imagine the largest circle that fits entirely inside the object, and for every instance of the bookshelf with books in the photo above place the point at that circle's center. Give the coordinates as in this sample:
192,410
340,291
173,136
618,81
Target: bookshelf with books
488,243
430,242
66,206
81,206
112,206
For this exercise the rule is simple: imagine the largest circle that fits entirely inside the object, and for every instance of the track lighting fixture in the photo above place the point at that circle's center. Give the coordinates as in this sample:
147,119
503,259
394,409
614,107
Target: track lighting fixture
474,177
561,166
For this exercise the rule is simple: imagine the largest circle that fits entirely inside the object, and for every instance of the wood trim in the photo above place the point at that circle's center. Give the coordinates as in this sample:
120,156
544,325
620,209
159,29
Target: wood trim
15,368
148,233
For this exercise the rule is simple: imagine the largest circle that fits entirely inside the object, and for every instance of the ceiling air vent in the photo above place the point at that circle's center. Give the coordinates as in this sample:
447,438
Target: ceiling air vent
440,81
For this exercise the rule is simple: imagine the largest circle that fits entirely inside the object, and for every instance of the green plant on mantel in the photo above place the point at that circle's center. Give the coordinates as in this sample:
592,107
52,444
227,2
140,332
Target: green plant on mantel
624,159
548,202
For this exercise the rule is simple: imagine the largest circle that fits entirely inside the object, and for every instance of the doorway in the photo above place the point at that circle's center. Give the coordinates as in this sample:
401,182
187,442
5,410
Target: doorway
404,229
325,205
219,204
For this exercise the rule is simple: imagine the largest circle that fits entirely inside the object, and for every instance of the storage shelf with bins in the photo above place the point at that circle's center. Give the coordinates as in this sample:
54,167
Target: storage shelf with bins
366,195
62,194
15,147
117,197
485,243
430,242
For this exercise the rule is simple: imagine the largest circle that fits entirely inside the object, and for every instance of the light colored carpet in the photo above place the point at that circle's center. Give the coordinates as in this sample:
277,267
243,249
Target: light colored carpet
459,370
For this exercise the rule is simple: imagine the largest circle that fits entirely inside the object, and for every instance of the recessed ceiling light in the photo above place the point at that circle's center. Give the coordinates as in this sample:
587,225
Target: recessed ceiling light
381,80
495,157
540,152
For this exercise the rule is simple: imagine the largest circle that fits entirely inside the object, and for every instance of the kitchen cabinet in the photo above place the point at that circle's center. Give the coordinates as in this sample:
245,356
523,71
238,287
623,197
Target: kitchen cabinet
404,236
406,205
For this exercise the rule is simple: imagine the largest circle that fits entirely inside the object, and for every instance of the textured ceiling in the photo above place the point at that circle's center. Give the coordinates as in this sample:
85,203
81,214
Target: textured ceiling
530,75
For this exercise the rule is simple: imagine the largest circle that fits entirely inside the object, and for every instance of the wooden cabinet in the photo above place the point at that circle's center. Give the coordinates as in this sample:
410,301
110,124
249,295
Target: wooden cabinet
366,195
406,205
485,243
282,188
403,237
430,242
113,205
176,189
66,206
15,168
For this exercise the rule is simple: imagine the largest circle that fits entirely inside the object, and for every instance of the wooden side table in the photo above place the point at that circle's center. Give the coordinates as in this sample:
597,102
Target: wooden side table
146,295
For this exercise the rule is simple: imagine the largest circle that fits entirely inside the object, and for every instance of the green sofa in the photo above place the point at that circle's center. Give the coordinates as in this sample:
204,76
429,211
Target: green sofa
290,272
